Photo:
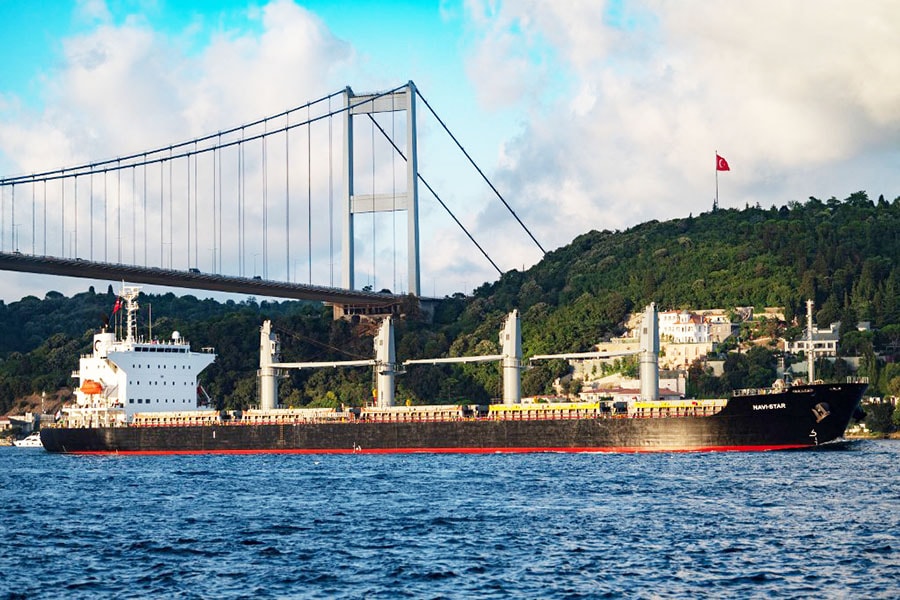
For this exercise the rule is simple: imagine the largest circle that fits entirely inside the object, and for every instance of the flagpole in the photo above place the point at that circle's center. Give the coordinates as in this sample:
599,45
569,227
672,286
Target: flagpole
716,205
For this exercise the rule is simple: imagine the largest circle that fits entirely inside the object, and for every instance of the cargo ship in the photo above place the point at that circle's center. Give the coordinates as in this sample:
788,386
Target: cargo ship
142,397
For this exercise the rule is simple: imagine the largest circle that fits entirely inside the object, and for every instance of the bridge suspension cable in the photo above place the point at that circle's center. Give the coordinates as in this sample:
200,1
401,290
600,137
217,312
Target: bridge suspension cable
245,212
131,160
480,172
438,198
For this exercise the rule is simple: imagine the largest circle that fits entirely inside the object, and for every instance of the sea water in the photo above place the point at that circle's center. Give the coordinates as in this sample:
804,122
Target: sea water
705,525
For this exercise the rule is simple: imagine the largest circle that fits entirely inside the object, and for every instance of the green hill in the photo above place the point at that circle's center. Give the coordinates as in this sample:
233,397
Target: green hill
843,254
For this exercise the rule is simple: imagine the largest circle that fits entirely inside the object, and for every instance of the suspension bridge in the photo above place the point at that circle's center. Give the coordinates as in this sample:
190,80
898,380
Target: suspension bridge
265,208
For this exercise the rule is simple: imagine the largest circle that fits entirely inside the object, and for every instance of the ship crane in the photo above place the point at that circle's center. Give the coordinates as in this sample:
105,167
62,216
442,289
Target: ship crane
649,353
384,362
510,358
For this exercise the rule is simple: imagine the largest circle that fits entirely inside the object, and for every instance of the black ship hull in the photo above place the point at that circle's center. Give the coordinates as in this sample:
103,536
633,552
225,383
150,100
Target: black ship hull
798,417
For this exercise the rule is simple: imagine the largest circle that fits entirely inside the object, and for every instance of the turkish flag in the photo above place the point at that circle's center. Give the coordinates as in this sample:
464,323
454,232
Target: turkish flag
721,164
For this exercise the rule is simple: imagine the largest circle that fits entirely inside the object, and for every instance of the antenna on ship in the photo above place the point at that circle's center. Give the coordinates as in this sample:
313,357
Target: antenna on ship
130,295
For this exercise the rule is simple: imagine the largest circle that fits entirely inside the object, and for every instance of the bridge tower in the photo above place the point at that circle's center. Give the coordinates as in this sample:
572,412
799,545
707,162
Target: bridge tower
367,104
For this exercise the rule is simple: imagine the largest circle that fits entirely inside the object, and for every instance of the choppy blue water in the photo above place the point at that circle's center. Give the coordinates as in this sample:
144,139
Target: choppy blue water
777,524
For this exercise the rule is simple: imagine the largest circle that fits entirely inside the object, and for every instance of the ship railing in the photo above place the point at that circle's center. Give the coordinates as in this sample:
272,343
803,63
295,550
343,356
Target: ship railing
170,419
780,388
544,414
664,413
291,416
410,414
757,391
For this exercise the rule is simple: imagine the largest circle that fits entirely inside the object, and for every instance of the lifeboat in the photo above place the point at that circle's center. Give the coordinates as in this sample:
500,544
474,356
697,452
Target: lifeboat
91,387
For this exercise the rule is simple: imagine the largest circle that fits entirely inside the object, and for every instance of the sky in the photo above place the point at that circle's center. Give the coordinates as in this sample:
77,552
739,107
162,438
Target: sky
585,115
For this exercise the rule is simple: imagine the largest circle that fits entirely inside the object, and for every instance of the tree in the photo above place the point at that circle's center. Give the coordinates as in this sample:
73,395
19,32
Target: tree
736,369
701,383
879,417
760,367
571,386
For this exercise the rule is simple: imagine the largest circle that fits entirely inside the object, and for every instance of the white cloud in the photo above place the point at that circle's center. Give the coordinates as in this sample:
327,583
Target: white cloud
621,106
92,10
127,87
628,102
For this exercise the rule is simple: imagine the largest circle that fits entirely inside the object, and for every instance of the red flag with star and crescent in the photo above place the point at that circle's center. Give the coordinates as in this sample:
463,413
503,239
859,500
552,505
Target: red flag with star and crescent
721,164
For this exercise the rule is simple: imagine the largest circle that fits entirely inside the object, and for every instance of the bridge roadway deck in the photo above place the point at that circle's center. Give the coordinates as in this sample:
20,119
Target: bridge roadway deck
47,265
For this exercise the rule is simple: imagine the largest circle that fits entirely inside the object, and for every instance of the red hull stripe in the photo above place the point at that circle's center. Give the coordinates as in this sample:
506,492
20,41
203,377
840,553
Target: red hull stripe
522,450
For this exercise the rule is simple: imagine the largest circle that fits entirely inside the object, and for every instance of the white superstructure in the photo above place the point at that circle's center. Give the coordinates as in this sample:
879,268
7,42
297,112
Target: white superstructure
122,377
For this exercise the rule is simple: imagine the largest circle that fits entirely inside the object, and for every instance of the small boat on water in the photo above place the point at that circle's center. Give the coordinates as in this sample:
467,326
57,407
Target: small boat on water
32,440
142,397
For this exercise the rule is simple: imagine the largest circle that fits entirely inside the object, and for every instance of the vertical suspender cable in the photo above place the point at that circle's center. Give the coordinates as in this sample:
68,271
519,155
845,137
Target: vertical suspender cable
75,237
217,194
373,208
240,168
45,218
119,214
91,215
221,194
287,194
309,190
213,224
330,196
62,237
242,195
171,207
188,206
133,215
105,215
394,194
33,222
133,218
162,191
145,211
265,194
196,206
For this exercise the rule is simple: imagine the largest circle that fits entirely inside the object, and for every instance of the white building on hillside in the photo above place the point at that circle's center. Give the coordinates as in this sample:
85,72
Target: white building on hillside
824,341
683,327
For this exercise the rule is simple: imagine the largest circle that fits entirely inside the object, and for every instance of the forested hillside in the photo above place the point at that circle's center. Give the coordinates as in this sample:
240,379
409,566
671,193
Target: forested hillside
843,254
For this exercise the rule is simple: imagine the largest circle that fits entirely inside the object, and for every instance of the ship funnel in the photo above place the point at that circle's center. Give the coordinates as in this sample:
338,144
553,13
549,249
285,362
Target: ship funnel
650,354
511,361
385,363
269,352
